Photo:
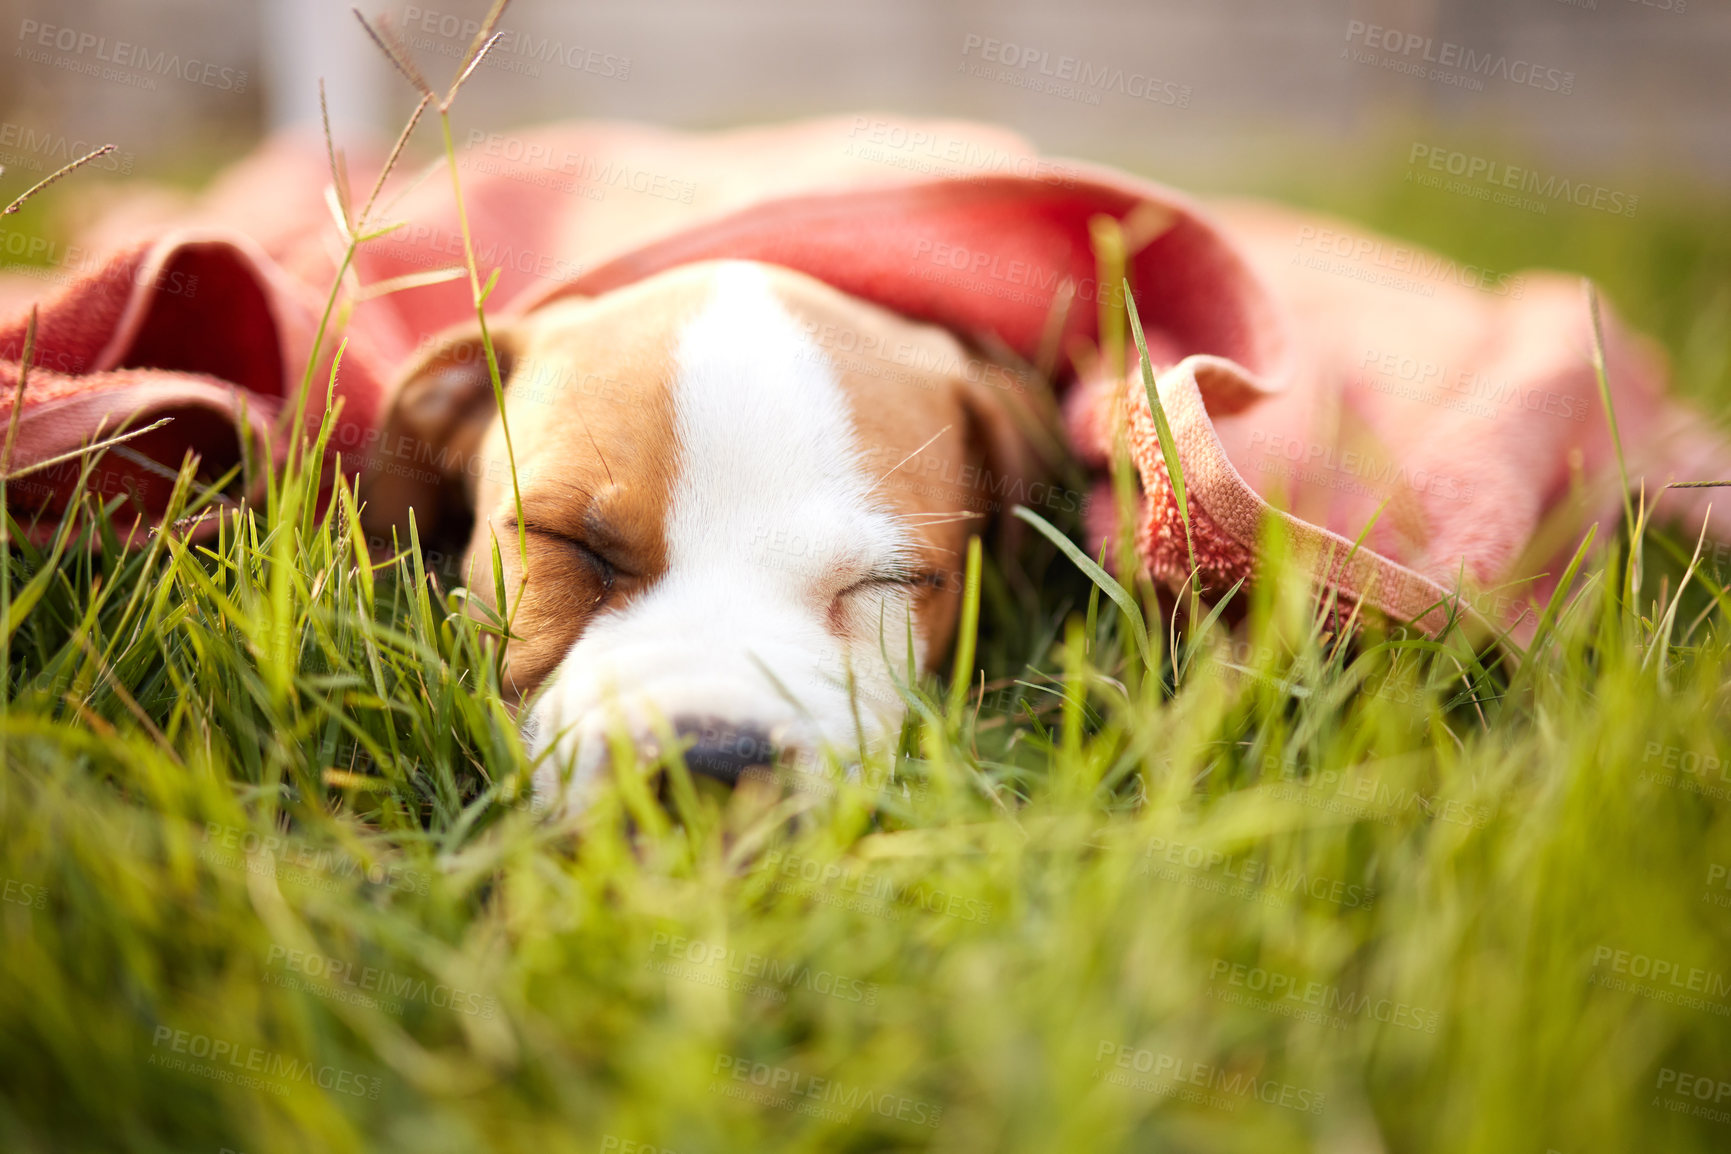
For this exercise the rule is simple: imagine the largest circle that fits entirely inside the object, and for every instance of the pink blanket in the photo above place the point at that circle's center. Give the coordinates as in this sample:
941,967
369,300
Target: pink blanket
1349,385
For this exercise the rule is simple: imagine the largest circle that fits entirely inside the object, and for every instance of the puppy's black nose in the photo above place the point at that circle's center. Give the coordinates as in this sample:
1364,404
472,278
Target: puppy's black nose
722,749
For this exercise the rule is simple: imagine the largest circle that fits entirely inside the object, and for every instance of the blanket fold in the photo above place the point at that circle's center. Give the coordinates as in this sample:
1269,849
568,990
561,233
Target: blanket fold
199,327
1424,431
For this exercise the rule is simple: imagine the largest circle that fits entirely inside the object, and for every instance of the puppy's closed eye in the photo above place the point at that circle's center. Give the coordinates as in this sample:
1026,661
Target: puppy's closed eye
911,578
861,602
606,570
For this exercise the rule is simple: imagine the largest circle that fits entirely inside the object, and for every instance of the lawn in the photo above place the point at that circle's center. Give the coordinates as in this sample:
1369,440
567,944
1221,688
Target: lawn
274,881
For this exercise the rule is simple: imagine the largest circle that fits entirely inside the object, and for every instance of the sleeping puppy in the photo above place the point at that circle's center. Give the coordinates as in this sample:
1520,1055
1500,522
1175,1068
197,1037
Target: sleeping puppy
746,498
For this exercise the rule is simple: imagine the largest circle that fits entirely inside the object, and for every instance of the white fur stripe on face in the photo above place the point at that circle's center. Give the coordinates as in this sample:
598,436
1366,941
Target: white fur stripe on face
772,518
767,441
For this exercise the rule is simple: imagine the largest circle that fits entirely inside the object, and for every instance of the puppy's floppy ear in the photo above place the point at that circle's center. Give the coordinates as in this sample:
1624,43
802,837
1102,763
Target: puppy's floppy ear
433,426
996,422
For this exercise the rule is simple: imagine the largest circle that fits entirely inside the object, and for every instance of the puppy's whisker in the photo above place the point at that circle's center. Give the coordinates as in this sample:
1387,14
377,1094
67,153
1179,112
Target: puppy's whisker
780,688
549,482
908,458
945,514
949,520
608,469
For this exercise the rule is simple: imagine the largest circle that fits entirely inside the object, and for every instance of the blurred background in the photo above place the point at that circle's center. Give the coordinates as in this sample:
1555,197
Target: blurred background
1612,118
1204,91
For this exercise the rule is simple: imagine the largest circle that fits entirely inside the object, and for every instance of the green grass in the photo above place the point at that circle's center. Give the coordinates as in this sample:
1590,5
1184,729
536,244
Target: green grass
273,880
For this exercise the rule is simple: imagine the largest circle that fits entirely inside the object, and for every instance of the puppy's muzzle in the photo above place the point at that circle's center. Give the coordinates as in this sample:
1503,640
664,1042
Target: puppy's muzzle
723,749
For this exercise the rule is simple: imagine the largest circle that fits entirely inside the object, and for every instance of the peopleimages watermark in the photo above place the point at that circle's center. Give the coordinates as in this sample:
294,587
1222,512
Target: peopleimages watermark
1669,7
548,165
815,1097
1248,878
251,1067
712,963
231,847
846,885
1461,388
987,273
933,152
535,380
1319,1003
1502,183
1378,262
121,61
1365,795
614,1144
1446,62
1661,979
63,263
22,893
430,247
337,979
43,150
1199,1083
1067,77
903,361
1332,467
1690,770
938,478
1697,1095
1718,891
516,51
827,777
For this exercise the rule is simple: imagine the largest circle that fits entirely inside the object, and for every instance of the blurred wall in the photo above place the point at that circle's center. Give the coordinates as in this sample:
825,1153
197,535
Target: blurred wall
1189,88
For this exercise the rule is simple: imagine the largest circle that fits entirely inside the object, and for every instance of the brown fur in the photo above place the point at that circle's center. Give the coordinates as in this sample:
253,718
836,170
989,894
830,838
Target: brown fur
591,417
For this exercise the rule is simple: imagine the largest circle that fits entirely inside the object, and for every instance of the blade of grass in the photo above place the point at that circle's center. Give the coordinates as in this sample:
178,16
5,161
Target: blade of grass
1103,580
1168,446
967,634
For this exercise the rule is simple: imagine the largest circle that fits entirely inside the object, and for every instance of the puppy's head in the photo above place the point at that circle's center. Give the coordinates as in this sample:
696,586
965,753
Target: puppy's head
746,499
